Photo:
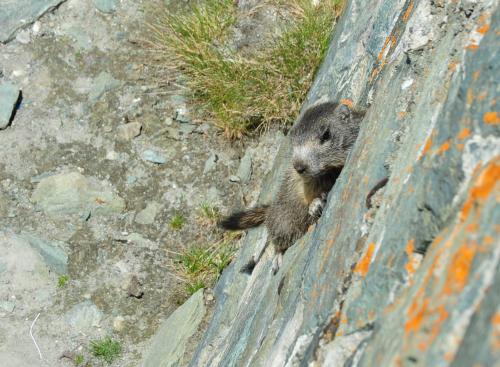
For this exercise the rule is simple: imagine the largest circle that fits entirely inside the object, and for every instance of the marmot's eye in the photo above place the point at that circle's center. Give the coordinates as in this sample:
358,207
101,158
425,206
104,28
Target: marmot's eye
325,136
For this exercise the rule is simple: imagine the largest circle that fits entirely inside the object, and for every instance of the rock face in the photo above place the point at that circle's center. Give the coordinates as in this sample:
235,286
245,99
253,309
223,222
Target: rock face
74,194
415,280
168,346
16,14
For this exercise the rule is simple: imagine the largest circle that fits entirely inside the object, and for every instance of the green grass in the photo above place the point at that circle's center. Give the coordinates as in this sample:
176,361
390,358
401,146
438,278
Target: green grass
200,266
62,280
106,349
79,359
177,221
238,93
209,214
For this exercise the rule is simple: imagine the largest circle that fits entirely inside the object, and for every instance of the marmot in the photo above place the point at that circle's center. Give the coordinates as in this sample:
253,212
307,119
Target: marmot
321,141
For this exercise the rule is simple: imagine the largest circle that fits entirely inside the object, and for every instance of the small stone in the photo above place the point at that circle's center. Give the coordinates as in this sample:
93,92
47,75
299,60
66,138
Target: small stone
152,156
234,178
245,168
128,131
24,37
74,194
134,288
102,84
112,155
181,115
106,6
148,214
84,316
118,323
36,27
7,306
131,179
9,95
187,128
54,253
210,162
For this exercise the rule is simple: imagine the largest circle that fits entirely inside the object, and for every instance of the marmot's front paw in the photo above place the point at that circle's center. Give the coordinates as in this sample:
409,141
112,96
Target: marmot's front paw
316,206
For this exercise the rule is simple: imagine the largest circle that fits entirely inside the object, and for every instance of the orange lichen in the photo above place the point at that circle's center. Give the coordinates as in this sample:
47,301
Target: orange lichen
495,340
100,201
410,247
407,12
416,315
483,186
402,114
452,66
475,75
427,147
472,46
444,147
464,133
348,102
484,29
491,118
470,97
459,268
482,96
363,264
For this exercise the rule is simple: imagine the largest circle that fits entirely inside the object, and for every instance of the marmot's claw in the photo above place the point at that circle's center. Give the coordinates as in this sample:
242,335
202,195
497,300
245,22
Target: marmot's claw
277,261
316,207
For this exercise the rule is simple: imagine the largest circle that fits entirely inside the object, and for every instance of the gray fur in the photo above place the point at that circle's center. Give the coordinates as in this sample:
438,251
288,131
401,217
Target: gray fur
295,207
321,141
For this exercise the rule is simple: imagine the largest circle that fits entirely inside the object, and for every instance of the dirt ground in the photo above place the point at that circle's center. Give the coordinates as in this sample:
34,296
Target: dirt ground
93,166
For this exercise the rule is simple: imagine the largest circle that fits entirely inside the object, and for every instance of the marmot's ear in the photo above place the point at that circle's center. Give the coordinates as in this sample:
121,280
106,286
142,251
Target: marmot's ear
344,110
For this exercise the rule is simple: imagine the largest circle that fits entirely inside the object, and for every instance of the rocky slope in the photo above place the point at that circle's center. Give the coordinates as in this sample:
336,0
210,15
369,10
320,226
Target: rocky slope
416,279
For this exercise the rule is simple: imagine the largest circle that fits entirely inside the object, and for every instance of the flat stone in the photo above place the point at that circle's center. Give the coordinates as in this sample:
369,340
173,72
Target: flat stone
84,316
102,84
148,214
74,194
54,253
245,168
106,6
154,157
210,163
128,131
7,306
9,95
17,14
234,178
169,344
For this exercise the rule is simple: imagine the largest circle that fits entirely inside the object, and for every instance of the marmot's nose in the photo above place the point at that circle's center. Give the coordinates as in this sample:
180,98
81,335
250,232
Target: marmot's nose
300,167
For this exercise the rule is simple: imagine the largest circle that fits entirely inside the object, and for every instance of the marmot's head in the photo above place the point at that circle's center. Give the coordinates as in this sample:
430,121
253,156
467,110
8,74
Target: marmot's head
323,137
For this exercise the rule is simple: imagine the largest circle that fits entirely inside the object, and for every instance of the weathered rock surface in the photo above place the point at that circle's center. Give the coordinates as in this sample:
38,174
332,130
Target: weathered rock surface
168,345
18,13
416,281
74,194
9,95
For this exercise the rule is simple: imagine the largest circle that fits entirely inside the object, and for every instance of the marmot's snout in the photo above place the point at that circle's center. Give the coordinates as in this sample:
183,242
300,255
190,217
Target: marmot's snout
299,166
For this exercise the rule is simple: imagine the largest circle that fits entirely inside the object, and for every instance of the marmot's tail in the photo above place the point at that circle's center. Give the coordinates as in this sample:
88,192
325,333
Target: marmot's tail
246,219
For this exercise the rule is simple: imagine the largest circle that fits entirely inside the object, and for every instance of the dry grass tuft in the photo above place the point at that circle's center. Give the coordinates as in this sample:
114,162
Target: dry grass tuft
243,94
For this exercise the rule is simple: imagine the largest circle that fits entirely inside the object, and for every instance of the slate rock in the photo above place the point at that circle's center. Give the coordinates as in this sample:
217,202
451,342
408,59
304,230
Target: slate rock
148,214
54,253
84,316
106,6
169,344
103,83
210,163
128,131
19,13
154,157
419,285
245,167
74,194
9,95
